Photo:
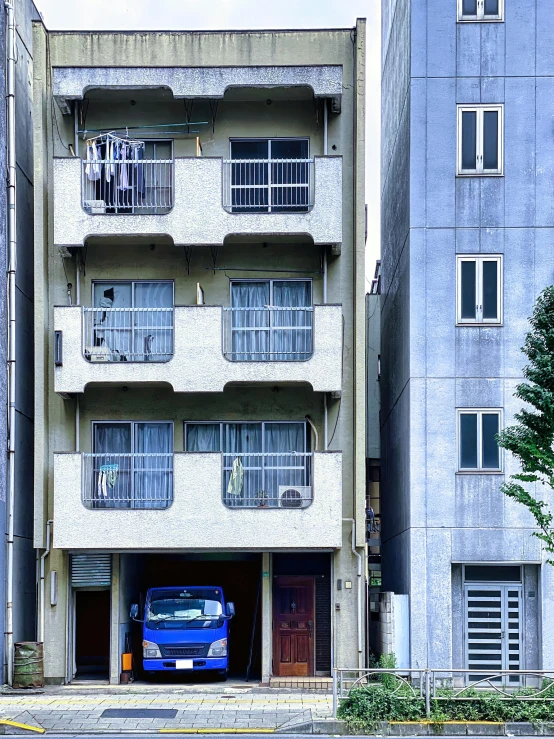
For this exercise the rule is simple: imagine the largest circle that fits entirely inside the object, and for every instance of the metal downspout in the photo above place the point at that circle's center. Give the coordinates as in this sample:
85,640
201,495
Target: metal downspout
42,580
12,265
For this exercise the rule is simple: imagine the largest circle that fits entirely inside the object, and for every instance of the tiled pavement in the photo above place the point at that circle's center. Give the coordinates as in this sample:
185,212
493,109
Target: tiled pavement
78,710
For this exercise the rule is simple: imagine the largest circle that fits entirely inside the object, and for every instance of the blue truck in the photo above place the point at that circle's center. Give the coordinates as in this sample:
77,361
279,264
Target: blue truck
185,629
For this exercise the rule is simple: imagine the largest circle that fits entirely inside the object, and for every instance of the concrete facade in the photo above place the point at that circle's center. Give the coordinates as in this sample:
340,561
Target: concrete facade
241,86
437,519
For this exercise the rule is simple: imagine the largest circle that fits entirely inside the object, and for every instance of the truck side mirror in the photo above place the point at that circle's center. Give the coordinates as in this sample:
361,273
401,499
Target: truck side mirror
230,610
134,612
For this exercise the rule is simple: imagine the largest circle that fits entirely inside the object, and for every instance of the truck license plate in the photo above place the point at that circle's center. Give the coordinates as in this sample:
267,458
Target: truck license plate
183,664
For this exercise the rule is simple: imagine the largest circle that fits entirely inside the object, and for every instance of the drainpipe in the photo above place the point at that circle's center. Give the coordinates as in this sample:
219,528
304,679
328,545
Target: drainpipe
309,420
324,127
12,264
324,275
360,593
325,423
42,580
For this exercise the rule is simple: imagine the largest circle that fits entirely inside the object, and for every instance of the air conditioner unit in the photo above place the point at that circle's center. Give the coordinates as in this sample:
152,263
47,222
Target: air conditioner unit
95,207
295,496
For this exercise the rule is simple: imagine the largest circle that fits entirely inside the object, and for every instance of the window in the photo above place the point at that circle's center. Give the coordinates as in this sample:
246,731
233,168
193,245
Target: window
479,289
266,465
477,447
269,320
269,175
480,145
131,465
480,10
129,322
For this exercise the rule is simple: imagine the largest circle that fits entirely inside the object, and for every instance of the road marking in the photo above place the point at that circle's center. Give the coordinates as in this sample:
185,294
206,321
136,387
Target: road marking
28,727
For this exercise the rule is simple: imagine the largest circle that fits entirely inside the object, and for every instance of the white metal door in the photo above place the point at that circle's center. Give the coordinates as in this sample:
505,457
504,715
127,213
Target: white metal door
493,630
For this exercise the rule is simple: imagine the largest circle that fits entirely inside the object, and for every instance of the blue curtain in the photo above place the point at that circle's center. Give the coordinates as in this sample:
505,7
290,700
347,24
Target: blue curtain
109,443
291,332
203,437
153,330
250,321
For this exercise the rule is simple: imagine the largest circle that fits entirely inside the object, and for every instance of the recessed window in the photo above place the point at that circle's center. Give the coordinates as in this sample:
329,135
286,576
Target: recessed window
480,10
479,289
477,447
480,139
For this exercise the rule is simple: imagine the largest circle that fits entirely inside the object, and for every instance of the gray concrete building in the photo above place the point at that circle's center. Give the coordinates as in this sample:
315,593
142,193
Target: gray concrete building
17,556
200,340
467,228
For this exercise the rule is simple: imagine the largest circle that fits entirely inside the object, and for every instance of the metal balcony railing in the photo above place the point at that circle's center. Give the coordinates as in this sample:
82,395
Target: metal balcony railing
128,334
268,185
127,480
267,480
126,187
268,334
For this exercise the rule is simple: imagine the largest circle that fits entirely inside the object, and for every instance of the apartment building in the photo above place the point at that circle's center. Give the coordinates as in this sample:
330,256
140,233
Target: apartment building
468,218
200,340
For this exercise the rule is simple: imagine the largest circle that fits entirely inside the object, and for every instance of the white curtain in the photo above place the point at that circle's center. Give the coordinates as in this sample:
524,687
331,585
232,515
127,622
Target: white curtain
203,437
153,334
153,474
110,442
243,440
283,467
250,321
291,332
113,329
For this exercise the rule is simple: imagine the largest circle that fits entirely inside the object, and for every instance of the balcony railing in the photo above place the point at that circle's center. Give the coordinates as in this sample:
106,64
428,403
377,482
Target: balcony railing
268,185
268,334
128,334
127,187
127,480
267,480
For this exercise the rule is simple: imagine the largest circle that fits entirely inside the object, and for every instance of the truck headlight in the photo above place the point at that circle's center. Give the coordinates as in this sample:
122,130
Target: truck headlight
218,648
150,650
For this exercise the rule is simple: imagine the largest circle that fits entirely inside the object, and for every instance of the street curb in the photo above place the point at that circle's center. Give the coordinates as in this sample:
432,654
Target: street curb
423,728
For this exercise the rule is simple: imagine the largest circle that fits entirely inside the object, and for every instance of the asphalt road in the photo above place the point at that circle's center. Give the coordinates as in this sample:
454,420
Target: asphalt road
142,735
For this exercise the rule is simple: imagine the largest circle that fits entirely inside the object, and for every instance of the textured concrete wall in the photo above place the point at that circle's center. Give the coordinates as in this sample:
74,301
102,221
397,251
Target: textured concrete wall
198,364
198,216
198,515
431,367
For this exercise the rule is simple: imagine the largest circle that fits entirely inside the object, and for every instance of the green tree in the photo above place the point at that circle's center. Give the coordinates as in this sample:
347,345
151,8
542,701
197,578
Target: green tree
531,439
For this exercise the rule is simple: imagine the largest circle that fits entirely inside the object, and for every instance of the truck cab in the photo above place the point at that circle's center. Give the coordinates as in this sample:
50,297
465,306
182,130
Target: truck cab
186,629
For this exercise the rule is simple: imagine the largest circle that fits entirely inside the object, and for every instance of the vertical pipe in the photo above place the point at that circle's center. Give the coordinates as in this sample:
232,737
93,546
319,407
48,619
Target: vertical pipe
77,424
325,126
76,126
324,275
360,594
78,279
325,423
42,580
12,262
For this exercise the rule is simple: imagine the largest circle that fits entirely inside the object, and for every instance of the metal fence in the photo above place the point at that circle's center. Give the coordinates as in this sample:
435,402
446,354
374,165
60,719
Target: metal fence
127,187
267,480
268,334
128,334
127,480
446,684
268,185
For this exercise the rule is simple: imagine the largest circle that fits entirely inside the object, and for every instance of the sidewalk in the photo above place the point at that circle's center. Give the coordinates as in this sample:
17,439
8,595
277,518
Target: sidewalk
83,709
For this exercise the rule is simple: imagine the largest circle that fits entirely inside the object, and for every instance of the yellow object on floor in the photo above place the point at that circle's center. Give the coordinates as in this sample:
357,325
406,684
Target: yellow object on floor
27,727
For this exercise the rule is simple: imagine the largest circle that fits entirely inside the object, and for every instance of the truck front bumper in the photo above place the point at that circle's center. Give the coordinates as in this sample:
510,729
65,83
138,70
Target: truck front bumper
198,663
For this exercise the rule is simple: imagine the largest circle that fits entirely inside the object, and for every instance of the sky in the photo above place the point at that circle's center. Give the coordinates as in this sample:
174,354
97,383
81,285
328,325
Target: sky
130,15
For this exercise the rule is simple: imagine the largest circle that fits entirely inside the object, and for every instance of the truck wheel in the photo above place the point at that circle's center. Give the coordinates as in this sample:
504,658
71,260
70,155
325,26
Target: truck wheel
221,676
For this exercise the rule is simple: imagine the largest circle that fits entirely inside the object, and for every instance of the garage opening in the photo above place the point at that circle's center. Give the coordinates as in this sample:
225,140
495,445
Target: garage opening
92,634
238,575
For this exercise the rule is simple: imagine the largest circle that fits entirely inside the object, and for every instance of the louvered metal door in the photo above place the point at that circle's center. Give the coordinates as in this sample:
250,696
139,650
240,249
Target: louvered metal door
493,630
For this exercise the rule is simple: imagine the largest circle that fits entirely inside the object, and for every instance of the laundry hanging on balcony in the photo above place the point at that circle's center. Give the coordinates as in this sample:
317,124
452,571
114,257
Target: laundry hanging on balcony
115,173
107,478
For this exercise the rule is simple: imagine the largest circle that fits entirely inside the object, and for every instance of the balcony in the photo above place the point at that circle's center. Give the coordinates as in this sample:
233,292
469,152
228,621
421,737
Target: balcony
144,188
197,348
94,510
204,201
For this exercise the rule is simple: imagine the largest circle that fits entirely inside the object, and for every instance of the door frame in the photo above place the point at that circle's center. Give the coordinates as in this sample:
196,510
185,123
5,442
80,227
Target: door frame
293,580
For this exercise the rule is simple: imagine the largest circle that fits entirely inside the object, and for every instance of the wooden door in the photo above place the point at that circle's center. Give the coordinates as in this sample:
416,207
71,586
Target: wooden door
293,626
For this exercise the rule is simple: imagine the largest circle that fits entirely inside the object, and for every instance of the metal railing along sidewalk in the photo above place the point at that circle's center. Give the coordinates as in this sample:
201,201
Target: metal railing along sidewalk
268,185
447,684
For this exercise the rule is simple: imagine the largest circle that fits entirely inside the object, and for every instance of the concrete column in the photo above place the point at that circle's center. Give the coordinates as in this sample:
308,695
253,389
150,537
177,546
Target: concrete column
267,617
115,652
55,620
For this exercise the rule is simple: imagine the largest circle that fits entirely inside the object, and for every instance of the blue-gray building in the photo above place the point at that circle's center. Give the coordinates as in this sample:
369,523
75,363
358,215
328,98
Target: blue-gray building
467,246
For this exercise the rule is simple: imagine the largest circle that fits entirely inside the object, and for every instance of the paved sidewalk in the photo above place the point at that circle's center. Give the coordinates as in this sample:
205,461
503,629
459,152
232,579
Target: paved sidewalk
76,709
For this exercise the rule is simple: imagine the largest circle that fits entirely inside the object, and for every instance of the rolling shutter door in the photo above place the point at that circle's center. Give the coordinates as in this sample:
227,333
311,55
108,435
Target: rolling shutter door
91,570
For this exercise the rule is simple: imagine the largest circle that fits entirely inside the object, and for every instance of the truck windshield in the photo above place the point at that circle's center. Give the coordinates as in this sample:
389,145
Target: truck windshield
184,609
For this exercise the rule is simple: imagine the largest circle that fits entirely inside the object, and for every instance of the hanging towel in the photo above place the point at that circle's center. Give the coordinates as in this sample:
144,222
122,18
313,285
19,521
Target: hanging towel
236,479
93,169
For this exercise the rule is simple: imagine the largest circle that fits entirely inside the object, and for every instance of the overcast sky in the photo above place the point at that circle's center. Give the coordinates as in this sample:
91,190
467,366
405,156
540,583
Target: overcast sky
244,14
